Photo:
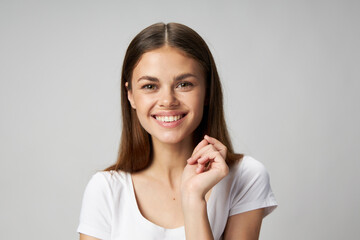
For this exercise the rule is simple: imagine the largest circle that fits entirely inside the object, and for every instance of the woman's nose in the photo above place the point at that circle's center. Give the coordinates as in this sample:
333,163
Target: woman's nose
168,98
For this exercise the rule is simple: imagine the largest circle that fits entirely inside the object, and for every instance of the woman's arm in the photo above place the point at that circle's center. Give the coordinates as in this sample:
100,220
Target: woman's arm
244,226
86,237
197,225
205,168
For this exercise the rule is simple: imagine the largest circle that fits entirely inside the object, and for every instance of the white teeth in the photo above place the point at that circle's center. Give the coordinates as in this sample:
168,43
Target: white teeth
168,118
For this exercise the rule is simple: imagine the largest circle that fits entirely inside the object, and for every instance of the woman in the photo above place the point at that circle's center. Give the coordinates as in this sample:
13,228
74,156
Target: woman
177,175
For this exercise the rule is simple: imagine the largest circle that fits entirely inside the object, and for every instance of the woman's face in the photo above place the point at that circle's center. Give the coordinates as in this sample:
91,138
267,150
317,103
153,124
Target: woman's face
168,93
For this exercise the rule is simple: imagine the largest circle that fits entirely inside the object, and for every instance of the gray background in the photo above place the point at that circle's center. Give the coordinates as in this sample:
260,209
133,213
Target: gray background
290,71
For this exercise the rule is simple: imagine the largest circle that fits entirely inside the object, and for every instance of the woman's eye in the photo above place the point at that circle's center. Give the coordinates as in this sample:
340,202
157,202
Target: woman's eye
149,87
185,84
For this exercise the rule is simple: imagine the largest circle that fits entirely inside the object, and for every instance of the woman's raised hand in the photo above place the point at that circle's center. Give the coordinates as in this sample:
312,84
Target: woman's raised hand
205,168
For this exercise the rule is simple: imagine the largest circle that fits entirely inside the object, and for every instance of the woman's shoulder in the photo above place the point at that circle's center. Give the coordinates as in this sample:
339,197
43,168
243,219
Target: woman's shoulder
248,165
248,171
108,180
111,176
249,184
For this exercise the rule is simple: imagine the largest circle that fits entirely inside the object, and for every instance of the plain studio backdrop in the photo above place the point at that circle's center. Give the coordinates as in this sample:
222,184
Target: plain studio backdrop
290,73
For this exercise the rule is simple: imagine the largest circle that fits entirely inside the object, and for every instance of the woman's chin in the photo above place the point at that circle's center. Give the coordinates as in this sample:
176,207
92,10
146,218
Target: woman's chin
169,139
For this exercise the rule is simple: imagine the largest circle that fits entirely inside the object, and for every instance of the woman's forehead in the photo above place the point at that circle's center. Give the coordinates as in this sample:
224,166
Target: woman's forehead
167,61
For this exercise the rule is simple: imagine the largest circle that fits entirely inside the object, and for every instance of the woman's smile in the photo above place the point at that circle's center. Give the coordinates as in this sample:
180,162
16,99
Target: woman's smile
169,119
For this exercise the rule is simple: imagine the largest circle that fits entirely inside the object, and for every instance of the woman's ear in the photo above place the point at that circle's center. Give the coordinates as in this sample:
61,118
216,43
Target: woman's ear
130,96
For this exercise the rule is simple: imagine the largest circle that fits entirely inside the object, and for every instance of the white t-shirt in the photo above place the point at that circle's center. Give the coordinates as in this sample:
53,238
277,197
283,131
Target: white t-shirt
109,208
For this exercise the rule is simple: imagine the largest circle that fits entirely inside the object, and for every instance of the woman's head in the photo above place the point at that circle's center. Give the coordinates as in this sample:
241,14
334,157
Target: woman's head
135,147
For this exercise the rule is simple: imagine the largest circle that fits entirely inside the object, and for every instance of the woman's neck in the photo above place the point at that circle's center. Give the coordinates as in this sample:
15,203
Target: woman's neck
169,160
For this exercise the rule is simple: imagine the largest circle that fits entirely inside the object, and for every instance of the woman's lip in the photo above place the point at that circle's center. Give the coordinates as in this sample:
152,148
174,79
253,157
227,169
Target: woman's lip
169,113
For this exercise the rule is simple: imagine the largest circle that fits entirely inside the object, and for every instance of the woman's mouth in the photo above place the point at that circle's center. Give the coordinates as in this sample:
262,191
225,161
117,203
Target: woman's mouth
169,121
169,118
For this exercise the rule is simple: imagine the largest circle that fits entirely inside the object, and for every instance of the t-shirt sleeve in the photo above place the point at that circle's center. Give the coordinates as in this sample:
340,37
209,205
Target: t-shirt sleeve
251,188
96,210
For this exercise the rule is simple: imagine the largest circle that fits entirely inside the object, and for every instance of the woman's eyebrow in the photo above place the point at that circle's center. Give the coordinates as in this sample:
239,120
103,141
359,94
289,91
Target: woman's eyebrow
152,79
177,78
184,75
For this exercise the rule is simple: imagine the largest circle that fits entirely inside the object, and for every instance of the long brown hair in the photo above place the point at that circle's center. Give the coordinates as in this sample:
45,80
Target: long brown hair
135,150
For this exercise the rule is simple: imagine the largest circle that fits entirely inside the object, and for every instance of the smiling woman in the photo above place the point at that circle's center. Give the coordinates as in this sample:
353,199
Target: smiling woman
176,175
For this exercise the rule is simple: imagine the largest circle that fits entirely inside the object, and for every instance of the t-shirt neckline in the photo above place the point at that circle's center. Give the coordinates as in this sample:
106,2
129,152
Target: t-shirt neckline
147,221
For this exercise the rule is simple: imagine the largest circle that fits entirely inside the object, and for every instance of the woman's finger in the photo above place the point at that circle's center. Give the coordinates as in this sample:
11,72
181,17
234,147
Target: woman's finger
203,151
201,145
203,159
217,144
200,168
203,164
